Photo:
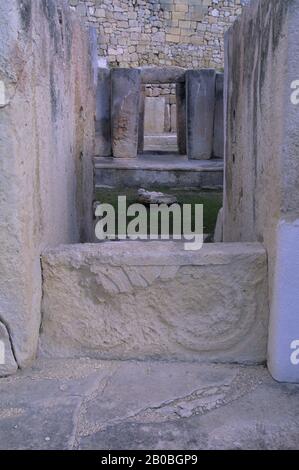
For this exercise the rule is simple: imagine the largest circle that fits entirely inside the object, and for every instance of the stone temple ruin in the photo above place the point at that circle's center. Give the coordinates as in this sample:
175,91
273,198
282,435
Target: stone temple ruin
69,127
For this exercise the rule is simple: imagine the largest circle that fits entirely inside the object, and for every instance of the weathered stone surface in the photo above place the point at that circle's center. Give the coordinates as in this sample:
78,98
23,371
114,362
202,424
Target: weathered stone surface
8,363
181,117
109,405
218,234
141,120
153,299
46,148
164,33
261,200
126,88
200,103
103,113
171,171
154,197
154,118
165,143
218,138
162,74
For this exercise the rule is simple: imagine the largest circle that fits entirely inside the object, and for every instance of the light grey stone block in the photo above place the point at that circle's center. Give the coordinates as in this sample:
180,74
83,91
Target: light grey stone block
154,119
8,363
139,300
126,91
103,113
46,148
200,102
261,199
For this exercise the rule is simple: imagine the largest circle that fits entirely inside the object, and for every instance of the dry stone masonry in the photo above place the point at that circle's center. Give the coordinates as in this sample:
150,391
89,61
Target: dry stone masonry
135,33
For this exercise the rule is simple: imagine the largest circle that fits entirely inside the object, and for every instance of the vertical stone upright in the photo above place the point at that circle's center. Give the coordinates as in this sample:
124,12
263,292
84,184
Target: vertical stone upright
126,91
200,103
261,192
181,117
103,113
141,120
218,139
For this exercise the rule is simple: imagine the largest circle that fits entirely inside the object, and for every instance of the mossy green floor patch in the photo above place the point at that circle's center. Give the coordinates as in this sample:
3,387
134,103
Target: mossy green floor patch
211,201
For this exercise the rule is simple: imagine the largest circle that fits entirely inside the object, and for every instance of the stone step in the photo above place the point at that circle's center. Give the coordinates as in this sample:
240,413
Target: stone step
141,300
167,170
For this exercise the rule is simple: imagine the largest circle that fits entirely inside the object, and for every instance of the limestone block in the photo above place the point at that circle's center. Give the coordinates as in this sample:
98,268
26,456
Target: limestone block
200,102
218,139
162,74
261,198
153,299
154,116
181,117
218,234
46,150
173,113
8,363
141,120
126,91
103,113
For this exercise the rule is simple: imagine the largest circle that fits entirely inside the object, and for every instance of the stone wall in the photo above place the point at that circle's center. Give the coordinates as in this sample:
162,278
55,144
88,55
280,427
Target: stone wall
47,109
135,33
261,158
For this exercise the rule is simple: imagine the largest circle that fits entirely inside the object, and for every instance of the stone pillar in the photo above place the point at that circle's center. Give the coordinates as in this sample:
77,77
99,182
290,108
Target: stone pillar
200,103
218,141
181,117
103,113
126,91
141,120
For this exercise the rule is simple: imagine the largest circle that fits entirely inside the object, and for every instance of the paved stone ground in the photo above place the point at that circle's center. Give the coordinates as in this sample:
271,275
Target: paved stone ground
87,404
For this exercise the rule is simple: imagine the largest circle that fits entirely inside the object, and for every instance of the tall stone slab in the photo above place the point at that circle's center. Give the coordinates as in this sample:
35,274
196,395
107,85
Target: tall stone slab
261,196
141,120
154,120
200,102
126,91
103,113
46,151
181,118
218,138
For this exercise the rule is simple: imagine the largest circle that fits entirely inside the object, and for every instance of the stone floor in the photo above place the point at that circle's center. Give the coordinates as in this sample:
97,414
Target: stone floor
87,404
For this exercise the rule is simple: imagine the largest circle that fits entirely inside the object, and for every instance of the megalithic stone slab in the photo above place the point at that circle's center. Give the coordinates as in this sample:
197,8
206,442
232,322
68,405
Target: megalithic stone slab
200,103
126,91
141,120
103,113
218,141
181,117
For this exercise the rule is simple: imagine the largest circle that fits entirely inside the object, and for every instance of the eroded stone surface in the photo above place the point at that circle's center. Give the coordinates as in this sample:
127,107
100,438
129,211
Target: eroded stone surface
200,107
126,93
8,363
153,299
46,148
88,404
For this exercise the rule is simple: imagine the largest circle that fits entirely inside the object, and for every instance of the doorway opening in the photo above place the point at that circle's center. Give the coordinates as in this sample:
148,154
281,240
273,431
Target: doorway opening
160,118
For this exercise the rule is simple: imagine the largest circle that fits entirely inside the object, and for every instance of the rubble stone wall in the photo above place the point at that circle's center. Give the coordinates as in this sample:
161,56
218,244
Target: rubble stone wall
135,33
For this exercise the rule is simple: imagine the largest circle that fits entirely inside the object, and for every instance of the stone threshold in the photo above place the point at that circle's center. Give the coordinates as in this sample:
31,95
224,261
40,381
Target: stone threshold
159,162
